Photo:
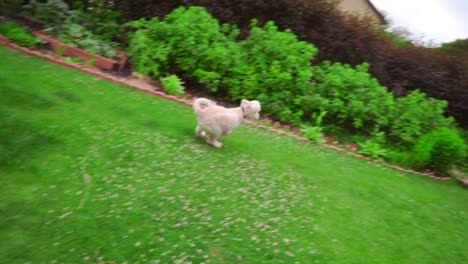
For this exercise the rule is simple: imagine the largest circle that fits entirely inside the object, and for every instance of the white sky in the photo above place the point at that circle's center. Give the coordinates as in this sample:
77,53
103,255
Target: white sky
438,21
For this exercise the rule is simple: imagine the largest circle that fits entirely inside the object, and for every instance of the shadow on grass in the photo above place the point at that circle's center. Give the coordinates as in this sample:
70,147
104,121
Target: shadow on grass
20,140
16,98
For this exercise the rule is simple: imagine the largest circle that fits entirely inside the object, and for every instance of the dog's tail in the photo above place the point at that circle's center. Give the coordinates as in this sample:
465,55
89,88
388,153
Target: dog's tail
202,103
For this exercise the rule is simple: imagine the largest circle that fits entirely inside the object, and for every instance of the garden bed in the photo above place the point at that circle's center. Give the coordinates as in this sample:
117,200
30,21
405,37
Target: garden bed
63,49
135,83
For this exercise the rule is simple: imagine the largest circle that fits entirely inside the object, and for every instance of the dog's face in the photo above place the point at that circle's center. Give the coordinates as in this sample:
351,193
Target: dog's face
251,109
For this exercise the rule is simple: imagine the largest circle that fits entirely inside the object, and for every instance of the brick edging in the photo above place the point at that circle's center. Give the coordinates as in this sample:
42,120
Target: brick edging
123,81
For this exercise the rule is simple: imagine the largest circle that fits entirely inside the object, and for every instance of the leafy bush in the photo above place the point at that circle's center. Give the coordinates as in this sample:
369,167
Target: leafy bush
99,17
52,13
270,65
78,36
442,75
415,115
280,69
17,34
439,74
439,150
93,28
274,67
173,85
10,7
187,40
400,157
350,95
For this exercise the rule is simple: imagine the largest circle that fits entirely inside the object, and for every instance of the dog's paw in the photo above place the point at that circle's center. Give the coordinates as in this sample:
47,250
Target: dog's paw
217,144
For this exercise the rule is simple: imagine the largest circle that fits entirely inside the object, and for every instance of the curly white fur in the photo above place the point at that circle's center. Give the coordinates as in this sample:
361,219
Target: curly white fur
216,121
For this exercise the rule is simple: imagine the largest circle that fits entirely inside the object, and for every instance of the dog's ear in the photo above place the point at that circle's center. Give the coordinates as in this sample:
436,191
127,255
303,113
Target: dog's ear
244,102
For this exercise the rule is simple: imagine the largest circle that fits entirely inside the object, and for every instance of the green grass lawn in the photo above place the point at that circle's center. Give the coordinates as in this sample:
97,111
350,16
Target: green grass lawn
93,172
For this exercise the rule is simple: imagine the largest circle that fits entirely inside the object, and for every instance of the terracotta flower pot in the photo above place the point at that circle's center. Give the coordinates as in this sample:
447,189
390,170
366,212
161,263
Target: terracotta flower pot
102,62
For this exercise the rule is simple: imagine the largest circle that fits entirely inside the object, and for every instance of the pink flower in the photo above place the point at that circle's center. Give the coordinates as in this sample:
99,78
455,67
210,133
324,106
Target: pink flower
267,119
353,146
287,126
189,95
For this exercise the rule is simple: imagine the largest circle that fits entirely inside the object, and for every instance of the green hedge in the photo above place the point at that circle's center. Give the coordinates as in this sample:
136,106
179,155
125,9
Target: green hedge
274,67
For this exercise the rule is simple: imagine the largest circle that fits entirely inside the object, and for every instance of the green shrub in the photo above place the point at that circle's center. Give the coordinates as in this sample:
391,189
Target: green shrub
173,85
186,40
93,28
279,66
99,18
439,150
53,13
403,158
78,36
274,67
269,65
17,34
10,7
96,16
350,95
415,115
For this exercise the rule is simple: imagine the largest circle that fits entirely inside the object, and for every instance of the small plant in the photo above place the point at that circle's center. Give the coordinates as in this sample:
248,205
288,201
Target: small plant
60,51
439,150
173,85
90,63
92,29
267,121
315,133
70,60
96,16
78,36
374,147
18,34
52,13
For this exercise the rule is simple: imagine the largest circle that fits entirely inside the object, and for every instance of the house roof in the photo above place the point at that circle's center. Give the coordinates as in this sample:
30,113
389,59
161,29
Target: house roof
377,12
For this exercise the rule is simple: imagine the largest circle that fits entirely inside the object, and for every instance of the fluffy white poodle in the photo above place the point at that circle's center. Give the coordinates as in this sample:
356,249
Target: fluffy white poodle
216,121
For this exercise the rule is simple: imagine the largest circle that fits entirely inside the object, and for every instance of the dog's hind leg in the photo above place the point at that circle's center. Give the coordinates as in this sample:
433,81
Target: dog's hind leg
226,133
199,132
213,141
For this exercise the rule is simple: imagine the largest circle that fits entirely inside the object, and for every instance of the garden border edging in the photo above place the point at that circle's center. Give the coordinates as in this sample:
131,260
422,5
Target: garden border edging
128,83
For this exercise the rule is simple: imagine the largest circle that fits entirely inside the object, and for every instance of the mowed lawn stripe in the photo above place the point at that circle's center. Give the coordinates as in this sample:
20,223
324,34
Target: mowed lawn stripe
94,172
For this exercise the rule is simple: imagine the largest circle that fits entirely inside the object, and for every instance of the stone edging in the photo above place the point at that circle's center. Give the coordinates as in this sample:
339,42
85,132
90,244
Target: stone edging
124,81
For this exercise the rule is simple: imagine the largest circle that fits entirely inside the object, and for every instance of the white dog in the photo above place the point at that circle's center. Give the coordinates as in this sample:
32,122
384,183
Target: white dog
215,121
